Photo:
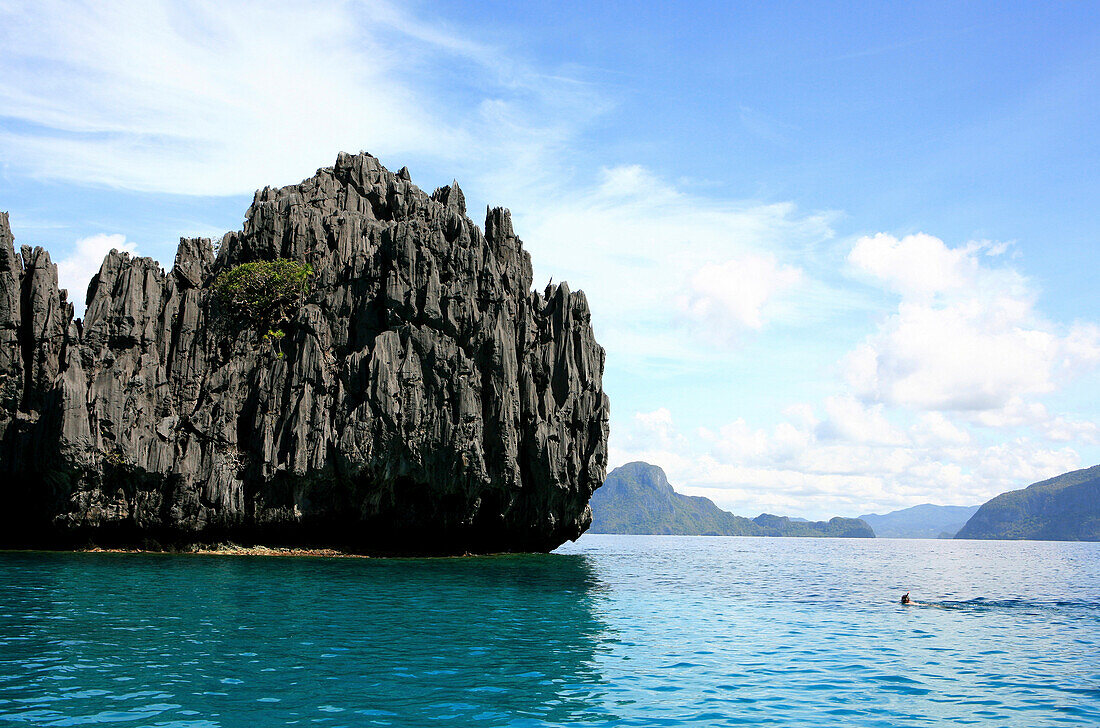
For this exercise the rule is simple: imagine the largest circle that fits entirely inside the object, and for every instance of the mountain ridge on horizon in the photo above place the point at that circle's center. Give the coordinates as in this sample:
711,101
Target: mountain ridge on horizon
927,520
636,498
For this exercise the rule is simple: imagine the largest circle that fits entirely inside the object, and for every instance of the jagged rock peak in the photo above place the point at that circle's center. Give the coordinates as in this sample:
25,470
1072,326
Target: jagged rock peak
421,398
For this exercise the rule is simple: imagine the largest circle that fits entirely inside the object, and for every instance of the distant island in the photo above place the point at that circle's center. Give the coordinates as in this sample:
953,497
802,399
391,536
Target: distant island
1064,508
637,499
923,521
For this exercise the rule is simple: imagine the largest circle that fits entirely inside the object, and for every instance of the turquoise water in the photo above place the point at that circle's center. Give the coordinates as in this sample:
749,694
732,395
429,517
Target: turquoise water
612,630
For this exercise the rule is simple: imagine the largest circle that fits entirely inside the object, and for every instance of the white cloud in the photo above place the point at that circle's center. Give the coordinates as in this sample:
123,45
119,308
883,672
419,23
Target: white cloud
850,420
916,265
654,431
76,269
964,336
738,442
631,182
796,470
933,428
733,295
1080,349
801,414
1018,413
671,275
1066,429
223,98
1022,461
968,355
657,424
1015,412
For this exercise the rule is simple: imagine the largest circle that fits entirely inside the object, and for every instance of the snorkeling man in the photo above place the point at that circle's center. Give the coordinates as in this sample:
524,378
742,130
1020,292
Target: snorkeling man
905,598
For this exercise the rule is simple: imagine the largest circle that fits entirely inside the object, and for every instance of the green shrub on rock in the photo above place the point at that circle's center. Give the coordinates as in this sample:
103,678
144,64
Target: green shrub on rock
263,295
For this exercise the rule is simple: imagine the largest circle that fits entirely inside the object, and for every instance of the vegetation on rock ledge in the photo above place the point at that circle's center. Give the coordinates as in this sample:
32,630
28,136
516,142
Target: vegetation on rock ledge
263,294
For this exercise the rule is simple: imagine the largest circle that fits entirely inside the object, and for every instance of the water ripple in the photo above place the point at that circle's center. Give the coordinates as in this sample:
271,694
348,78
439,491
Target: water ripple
615,631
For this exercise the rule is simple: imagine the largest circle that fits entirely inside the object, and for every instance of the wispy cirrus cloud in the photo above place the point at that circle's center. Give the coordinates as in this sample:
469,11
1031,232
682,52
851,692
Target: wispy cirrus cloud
222,98
670,273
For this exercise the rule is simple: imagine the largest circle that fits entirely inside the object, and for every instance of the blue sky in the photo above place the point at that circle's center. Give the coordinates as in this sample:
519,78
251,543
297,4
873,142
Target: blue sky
842,255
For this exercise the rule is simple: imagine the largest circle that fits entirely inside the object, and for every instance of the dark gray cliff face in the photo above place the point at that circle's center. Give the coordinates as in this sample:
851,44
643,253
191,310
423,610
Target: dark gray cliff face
425,399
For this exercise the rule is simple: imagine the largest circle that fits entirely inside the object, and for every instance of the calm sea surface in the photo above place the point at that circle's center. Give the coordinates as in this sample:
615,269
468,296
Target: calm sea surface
612,630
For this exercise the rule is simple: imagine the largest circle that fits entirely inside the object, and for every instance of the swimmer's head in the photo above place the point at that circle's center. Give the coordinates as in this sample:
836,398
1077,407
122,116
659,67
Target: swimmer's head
905,598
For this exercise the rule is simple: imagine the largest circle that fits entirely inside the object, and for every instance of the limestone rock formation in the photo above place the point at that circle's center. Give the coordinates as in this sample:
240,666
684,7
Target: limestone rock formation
423,399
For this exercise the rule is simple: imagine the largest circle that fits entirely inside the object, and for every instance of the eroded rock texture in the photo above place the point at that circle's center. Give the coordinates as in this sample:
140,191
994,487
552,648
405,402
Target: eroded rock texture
425,400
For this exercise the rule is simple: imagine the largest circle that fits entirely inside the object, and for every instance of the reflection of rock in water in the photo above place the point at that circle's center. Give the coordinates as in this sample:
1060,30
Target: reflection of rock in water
520,634
483,641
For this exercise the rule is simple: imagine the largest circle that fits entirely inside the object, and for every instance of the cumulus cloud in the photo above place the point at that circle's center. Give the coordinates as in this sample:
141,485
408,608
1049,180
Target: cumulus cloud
1015,412
76,269
965,336
933,428
851,420
916,265
738,442
968,355
657,430
1080,349
838,466
1068,429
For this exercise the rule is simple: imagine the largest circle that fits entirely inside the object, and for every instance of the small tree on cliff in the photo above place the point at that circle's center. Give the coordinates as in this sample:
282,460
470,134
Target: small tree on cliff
263,295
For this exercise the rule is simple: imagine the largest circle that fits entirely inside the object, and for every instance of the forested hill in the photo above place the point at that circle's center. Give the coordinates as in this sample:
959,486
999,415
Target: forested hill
637,498
1065,508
